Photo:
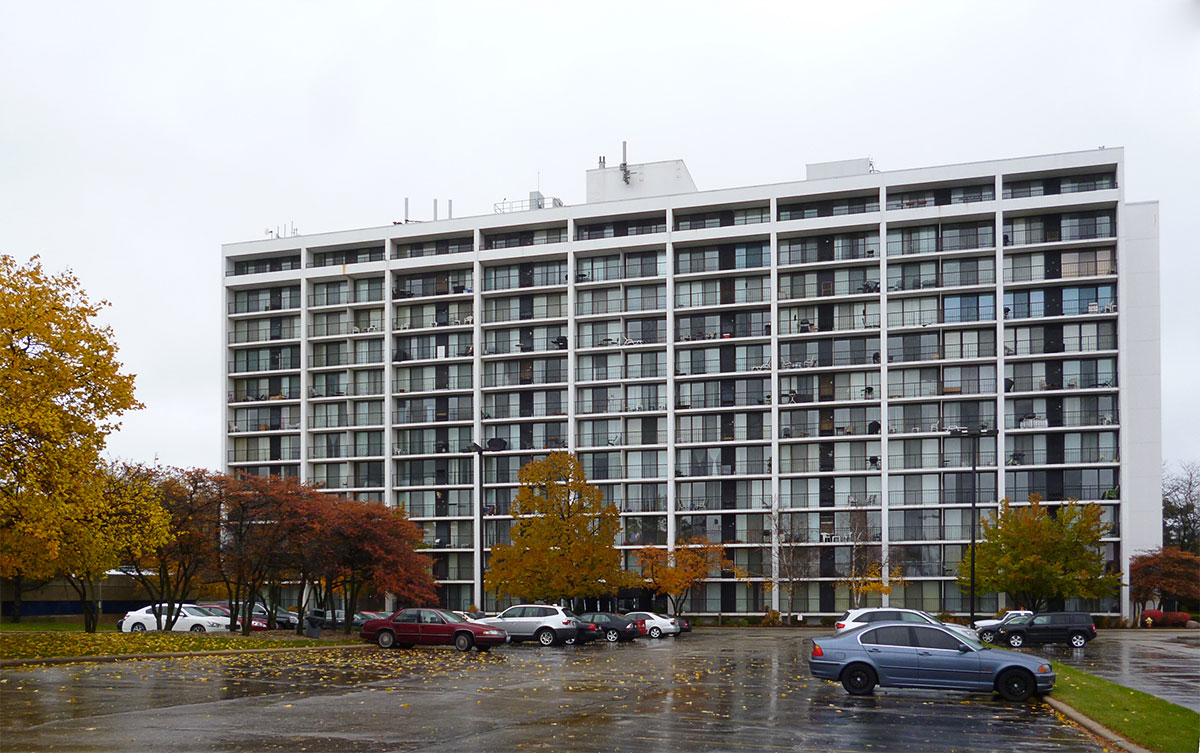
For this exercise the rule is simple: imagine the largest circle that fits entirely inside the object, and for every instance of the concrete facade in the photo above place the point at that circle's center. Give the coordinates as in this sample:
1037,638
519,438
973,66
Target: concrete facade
787,368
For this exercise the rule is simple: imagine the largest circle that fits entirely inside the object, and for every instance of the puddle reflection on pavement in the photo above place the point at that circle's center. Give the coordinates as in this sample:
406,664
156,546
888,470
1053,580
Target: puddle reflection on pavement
712,690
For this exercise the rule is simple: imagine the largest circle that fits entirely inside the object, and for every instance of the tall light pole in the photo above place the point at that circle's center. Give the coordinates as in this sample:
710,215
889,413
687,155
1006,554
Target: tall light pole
495,444
975,433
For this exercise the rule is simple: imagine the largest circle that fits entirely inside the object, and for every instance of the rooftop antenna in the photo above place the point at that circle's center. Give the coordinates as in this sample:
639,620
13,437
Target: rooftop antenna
624,164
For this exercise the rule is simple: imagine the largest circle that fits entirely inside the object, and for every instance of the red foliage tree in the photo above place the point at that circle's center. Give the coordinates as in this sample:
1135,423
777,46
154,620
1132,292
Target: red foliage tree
1162,574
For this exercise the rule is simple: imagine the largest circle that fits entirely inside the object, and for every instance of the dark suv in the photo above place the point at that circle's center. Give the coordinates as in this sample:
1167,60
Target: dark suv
1075,628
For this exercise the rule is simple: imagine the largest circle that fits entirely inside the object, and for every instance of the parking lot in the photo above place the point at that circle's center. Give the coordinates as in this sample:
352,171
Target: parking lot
712,690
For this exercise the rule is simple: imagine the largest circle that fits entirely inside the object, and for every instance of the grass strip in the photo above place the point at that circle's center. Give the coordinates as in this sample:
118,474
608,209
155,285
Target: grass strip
41,645
1147,720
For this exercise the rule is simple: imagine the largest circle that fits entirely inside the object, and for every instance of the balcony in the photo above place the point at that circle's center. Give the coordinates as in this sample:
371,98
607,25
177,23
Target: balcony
694,468
430,384
717,298
1069,456
273,363
732,434
811,464
429,415
264,334
532,345
843,323
934,389
497,315
940,280
945,459
738,502
725,400
826,289
926,317
249,424
249,396
429,322
260,455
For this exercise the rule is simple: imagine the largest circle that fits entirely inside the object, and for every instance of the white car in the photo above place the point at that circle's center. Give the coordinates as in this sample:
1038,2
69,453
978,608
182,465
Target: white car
191,619
856,618
656,624
986,629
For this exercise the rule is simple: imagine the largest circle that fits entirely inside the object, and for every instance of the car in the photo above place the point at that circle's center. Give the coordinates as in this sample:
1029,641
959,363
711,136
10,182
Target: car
545,623
685,625
911,655
656,624
221,611
870,615
1075,628
588,632
336,619
614,627
431,627
986,629
191,618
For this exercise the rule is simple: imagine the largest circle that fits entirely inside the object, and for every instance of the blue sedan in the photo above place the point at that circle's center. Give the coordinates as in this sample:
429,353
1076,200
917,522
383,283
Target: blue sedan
904,655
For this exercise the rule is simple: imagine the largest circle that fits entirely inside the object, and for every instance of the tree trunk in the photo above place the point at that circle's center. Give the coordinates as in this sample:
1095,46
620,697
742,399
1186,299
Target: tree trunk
18,582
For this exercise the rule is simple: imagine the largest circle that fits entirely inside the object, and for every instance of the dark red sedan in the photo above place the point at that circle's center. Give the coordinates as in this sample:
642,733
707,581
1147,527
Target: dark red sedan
431,627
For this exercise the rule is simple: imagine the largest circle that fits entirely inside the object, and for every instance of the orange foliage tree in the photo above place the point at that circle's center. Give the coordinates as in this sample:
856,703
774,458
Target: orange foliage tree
563,537
1164,573
673,573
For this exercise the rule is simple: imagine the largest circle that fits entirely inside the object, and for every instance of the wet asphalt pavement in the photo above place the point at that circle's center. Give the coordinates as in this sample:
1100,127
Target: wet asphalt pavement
709,691
1164,663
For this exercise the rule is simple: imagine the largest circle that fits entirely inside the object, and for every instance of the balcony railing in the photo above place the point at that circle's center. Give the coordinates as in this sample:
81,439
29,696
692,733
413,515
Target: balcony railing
844,250
1068,418
257,455
440,509
692,468
516,411
739,502
1028,236
427,352
1085,493
827,464
435,479
418,289
941,316
249,424
735,434
428,384
427,415
506,379
824,289
938,353
852,499
264,334
943,280
909,461
906,246
631,371
736,398
247,396
797,430
432,447
258,306
715,298
837,394
933,389
491,316
843,323
266,364
620,406
1069,456
688,367
402,324
536,345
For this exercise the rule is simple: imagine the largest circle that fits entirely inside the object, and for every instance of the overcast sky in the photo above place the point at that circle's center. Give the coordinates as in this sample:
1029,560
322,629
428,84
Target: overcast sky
136,138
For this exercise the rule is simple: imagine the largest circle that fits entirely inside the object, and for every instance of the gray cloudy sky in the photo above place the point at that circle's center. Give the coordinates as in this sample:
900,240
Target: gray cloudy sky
136,137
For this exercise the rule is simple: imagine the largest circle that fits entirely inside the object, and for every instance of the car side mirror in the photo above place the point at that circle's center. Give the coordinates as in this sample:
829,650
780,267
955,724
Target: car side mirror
964,648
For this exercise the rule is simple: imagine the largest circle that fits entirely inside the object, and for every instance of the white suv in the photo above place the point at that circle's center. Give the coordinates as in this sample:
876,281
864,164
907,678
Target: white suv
545,623
856,618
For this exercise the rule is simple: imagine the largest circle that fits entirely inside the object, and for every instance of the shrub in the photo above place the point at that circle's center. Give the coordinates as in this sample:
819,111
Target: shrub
1176,619
770,619
1153,616
828,621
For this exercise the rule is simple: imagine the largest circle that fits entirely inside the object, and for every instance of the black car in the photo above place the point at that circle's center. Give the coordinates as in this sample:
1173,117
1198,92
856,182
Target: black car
588,632
1075,628
682,622
613,627
336,619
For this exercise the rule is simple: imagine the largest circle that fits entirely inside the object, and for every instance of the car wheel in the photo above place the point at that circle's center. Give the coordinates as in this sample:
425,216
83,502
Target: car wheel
1078,640
545,636
1015,685
1016,640
987,636
463,641
655,632
197,628
137,627
858,679
611,635
386,639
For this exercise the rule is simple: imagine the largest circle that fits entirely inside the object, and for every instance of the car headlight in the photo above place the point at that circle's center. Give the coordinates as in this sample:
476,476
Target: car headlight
491,632
1043,669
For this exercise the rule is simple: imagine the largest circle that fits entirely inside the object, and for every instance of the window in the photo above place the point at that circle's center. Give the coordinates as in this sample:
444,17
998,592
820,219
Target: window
934,638
887,636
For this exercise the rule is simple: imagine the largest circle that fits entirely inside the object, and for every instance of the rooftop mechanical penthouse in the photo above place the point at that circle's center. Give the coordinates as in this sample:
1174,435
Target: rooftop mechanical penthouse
795,370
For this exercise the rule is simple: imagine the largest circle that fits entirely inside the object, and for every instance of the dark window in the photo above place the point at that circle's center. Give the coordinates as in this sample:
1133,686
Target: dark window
888,636
1042,619
545,612
411,615
934,638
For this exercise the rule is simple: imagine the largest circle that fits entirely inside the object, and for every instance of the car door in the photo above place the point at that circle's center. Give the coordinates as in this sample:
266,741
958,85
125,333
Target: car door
407,625
435,631
1039,629
942,662
891,649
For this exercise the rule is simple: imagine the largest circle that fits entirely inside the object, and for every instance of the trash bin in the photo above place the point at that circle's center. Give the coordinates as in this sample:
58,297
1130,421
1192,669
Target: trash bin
312,626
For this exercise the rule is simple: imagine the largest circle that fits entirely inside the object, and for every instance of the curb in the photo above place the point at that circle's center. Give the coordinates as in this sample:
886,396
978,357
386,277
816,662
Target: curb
1094,727
110,658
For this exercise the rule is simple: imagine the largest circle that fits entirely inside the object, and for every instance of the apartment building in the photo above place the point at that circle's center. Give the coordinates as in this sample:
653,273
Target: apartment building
807,372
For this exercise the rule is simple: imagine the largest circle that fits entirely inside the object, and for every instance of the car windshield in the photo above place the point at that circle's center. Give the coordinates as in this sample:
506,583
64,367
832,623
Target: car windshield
1013,617
974,643
569,613
1021,620
929,618
450,616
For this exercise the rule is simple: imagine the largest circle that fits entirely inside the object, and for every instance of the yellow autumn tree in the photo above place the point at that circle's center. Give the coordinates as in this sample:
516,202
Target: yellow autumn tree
673,573
118,512
61,392
865,572
563,537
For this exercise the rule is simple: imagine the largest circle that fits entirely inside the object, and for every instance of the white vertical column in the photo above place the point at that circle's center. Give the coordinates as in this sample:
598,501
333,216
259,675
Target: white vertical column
1001,486
672,523
305,349
775,504
477,415
885,532
572,340
389,382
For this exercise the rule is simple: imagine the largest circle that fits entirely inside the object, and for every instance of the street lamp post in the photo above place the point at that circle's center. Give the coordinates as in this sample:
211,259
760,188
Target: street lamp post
975,433
495,444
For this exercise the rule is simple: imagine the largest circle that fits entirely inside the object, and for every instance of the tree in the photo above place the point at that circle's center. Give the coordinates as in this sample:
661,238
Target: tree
865,571
673,573
170,572
1181,508
794,563
1166,573
119,513
1034,556
562,536
61,392
370,545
